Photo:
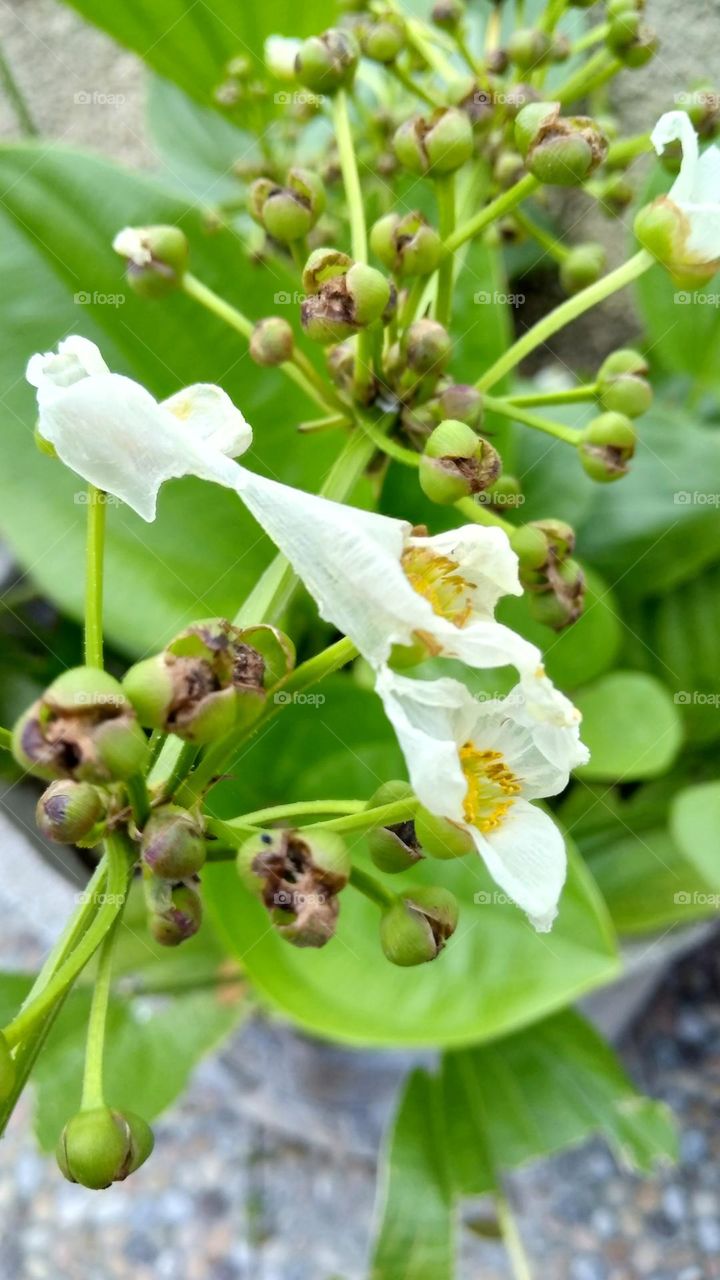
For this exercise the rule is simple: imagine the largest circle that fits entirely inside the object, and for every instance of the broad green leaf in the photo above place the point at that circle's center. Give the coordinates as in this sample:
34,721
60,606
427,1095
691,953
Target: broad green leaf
59,213
191,44
682,628
541,1090
348,991
659,525
415,1238
647,884
197,147
630,725
695,825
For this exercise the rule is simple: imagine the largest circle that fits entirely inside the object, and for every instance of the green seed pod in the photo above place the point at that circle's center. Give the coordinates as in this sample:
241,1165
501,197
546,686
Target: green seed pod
438,145
607,445
416,927
559,150
704,109
327,62
441,838
297,875
531,548
175,911
100,1146
172,843
383,39
528,48
622,383
68,811
82,689
448,14
631,40
456,463
508,169
561,602
156,258
271,342
583,266
560,537
288,212
406,245
463,403
121,748
7,1069
428,347
345,303
322,266
393,848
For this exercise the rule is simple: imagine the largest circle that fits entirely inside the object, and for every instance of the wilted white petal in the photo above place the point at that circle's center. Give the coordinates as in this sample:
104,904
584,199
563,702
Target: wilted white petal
74,359
696,190
431,719
484,558
131,243
280,54
526,856
676,126
211,416
552,719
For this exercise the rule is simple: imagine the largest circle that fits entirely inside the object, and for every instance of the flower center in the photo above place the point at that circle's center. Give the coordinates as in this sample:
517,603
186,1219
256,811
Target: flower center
491,787
438,580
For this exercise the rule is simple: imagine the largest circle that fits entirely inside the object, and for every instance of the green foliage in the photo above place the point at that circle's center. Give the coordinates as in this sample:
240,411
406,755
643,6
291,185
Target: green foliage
630,726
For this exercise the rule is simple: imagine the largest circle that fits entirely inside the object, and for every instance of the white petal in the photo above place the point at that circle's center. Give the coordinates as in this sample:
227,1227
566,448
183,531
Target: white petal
75,358
502,726
526,856
706,190
676,126
485,560
552,719
209,413
430,719
280,54
131,243
111,432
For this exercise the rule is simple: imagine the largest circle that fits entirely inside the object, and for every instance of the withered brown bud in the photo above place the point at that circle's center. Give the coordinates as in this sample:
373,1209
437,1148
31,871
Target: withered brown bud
297,876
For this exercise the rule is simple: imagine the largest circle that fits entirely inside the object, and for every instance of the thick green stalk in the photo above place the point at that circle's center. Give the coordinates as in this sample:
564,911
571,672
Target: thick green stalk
557,429
94,559
371,888
445,191
564,314
596,71
137,791
480,514
497,208
572,395
383,815
92,1089
351,177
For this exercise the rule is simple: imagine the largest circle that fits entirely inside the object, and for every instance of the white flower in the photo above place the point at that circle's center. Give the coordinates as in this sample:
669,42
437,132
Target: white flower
371,576
131,243
696,190
552,718
280,54
480,765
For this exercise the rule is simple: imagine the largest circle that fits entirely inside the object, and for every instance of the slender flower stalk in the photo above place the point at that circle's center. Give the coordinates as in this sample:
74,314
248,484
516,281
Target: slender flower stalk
480,514
95,554
544,238
518,414
594,73
371,888
621,153
445,190
351,177
591,37
92,1089
497,208
413,86
563,315
512,1239
572,395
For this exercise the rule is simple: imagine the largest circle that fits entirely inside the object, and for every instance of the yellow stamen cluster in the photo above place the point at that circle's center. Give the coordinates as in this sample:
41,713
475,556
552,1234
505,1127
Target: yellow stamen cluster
490,787
438,580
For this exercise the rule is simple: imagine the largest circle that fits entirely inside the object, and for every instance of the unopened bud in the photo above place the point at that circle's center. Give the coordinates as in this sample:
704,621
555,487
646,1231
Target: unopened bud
623,385
448,14
428,347
327,62
156,258
704,109
393,848
531,548
68,811
172,843
441,838
528,48
583,266
349,300
288,212
271,342
631,40
99,1146
614,194
297,875
463,403
663,228
438,145
416,927
561,602
175,911
607,445
406,245
560,150
456,463
509,168
383,39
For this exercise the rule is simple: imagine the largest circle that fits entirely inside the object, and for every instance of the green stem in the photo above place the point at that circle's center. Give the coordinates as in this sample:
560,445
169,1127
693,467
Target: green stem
351,177
273,813
15,95
545,238
428,50
564,314
595,72
594,36
554,11
5,739
329,423
445,191
517,414
94,557
384,815
479,514
119,865
413,298
137,791
371,888
512,1239
363,377
186,758
412,86
497,208
573,395
621,153
92,1089
391,447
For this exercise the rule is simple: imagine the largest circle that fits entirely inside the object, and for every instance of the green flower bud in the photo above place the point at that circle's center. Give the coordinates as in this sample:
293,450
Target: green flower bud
561,602
341,365
448,14
607,445
463,403
663,229
7,1069
393,848
438,145
508,169
456,463
622,383
175,911
297,875
346,303
560,49
406,245
327,62
271,342
83,728
583,266
416,927
322,266
100,1146
156,258
505,492
559,536
704,109
288,212
560,150
383,39
172,843
631,40
68,811
441,838
614,194
428,346
528,48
